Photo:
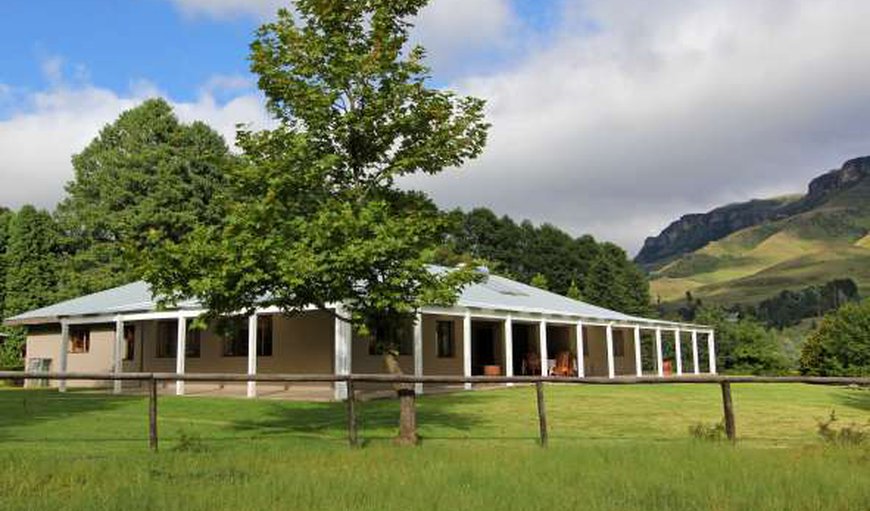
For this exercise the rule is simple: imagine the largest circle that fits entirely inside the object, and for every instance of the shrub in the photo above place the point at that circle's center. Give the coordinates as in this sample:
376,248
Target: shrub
848,435
708,432
189,442
841,345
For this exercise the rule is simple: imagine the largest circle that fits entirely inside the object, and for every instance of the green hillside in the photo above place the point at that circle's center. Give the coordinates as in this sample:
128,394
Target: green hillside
827,238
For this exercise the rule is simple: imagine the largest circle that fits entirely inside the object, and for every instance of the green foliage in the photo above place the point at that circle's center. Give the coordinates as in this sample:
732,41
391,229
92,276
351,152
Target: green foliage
841,345
5,219
312,214
574,291
708,432
788,308
743,346
540,281
32,261
522,251
145,177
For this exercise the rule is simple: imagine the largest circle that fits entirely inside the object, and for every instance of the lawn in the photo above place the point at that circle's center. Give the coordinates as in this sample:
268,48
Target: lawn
614,447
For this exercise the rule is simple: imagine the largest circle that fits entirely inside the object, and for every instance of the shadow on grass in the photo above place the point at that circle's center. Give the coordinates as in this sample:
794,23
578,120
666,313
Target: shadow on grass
376,419
30,407
856,398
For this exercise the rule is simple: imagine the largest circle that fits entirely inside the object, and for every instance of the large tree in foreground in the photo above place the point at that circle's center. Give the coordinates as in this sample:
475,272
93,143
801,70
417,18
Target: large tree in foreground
313,215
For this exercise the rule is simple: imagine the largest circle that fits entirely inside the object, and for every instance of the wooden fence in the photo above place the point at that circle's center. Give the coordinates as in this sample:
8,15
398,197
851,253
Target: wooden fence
152,380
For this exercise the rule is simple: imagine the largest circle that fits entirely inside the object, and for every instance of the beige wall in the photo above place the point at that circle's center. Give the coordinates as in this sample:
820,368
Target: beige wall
596,351
46,343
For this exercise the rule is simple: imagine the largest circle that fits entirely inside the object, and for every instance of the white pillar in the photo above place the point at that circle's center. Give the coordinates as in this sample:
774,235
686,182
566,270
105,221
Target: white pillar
696,367
466,347
679,352
638,360
611,370
64,353
180,353
660,368
418,352
578,339
542,337
252,354
509,347
117,356
343,336
711,352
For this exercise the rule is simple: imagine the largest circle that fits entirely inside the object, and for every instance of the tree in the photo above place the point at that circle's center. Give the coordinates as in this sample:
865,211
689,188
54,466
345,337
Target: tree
841,345
540,281
5,219
574,291
743,346
31,276
312,215
145,177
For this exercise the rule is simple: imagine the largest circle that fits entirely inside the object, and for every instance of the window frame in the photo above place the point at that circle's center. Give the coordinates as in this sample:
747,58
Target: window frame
79,335
448,327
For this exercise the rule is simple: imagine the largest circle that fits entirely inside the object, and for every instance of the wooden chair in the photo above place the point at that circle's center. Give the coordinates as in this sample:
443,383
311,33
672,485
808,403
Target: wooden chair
564,365
531,364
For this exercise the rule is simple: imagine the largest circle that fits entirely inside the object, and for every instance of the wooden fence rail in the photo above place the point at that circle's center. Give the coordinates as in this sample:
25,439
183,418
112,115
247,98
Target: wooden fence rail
352,434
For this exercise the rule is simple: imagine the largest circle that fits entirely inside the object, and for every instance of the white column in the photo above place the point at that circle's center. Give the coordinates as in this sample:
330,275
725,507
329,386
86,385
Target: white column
64,353
466,347
252,354
695,365
542,337
678,349
343,336
578,339
711,352
418,352
638,360
180,353
611,370
509,347
660,368
117,355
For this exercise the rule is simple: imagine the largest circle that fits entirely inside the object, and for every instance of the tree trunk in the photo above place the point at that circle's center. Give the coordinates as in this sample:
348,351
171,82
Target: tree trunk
407,402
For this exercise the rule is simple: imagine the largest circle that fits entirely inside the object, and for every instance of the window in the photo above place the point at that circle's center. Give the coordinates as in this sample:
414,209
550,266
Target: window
444,338
618,343
167,338
79,340
235,334
130,341
264,336
193,343
406,341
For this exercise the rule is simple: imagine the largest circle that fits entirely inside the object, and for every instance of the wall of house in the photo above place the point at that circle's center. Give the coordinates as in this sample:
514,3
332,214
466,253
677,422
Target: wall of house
45,342
595,351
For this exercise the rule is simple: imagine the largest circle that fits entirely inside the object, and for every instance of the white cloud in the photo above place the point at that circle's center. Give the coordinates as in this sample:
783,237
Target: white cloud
36,145
667,108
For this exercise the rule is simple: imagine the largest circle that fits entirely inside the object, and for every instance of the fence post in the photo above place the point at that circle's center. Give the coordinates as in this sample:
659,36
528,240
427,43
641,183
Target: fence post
152,414
351,415
728,409
542,412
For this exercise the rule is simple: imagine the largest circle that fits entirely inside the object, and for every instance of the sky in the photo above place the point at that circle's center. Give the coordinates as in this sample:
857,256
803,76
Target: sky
610,117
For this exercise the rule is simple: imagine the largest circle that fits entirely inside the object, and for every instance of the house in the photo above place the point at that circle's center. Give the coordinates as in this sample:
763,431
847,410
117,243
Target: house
497,327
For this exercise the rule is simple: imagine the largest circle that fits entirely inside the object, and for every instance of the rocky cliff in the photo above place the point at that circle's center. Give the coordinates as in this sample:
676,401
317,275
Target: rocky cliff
693,231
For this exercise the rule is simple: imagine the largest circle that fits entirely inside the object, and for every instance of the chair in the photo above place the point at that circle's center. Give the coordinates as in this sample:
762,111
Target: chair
564,365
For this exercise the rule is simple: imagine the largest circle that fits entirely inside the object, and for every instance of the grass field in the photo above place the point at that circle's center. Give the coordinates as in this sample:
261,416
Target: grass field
614,447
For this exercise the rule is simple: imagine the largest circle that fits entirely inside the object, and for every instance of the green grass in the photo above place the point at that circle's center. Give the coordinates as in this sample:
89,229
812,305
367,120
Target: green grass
614,447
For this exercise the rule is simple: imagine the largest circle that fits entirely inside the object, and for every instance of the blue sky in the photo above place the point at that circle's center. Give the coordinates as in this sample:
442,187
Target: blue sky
610,117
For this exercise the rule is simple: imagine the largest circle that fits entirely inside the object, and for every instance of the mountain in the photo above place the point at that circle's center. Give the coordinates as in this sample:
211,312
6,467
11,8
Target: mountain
743,253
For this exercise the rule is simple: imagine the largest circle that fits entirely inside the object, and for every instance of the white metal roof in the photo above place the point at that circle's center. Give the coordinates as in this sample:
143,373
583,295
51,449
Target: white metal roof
493,293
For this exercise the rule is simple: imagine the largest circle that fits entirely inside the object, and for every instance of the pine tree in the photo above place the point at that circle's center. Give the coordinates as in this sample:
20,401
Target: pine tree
32,261
574,291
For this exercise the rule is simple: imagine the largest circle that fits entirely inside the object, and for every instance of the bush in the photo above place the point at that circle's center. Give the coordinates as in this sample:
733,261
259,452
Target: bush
708,432
849,435
744,346
841,345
